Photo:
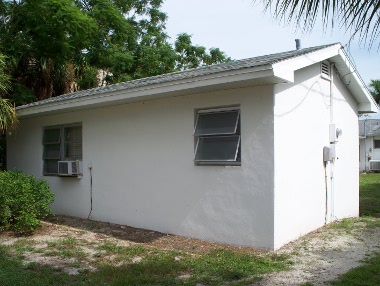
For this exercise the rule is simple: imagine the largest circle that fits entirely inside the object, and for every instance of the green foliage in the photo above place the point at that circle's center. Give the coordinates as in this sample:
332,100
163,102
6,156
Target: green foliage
370,195
190,56
23,201
366,275
375,89
4,77
21,94
3,150
8,116
56,46
87,78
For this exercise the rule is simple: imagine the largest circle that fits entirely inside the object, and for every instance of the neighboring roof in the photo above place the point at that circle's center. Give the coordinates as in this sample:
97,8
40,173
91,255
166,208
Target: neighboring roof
269,69
369,127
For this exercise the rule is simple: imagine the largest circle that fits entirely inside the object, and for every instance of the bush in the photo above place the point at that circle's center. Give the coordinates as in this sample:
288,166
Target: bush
23,201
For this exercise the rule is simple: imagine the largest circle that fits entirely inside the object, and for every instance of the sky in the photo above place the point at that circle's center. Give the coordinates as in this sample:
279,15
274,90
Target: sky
242,30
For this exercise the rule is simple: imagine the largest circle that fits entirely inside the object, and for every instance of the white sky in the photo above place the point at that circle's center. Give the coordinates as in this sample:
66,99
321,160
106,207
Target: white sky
242,30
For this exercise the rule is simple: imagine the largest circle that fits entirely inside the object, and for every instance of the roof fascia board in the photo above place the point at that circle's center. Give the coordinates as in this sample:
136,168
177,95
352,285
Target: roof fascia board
154,91
366,103
367,107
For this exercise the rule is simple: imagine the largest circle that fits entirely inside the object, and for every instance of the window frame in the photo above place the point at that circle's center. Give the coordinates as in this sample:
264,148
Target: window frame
62,146
376,146
236,161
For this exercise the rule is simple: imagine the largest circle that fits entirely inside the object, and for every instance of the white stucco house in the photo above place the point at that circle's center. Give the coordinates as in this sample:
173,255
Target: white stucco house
369,151
248,152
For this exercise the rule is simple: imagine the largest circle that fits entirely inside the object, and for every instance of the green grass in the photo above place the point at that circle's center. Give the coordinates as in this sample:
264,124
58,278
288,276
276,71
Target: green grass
370,195
366,275
369,273
13,272
155,267
166,268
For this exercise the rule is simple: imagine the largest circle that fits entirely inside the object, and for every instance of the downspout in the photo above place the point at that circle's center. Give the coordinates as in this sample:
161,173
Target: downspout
365,146
333,160
90,168
331,93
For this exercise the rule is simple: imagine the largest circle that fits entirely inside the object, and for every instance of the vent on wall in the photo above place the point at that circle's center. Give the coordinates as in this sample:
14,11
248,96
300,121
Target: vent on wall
325,70
374,165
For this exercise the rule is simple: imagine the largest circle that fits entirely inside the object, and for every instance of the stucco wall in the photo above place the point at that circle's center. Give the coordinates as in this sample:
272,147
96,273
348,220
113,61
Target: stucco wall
143,172
302,117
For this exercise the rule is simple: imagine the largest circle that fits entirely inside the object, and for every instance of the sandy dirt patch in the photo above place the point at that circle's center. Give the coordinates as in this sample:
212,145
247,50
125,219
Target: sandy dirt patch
325,254
318,257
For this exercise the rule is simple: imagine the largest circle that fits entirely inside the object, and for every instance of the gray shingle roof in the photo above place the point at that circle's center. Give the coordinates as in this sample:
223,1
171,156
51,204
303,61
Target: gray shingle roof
205,70
369,127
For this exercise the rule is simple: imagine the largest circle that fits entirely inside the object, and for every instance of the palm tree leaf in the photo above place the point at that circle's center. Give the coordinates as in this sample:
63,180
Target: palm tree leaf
360,16
8,117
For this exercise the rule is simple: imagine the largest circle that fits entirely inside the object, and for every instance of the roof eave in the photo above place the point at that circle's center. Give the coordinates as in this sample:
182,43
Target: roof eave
334,53
286,68
354,83
218,81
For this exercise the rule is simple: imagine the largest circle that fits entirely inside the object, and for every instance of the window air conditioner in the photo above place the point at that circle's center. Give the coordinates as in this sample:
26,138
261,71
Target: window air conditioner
69,168
374,165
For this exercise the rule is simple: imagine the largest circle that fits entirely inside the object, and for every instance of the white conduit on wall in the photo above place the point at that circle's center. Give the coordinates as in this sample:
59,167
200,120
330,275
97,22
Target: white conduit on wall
330,193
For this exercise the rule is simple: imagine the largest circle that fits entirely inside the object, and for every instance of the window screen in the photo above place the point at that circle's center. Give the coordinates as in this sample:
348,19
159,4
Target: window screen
52,135
376,144
217,148
217,135
217,123
73,143
61,143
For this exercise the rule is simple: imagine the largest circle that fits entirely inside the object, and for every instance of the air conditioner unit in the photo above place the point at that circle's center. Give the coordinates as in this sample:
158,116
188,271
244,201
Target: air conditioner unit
69,168
374,165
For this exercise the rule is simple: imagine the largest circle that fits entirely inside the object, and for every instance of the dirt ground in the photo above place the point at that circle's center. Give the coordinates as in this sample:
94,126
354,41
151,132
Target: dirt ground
319,257
325,254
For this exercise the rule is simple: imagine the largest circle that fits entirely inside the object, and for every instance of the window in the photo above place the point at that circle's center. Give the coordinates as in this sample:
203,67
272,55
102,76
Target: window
376,144
61,143
217,137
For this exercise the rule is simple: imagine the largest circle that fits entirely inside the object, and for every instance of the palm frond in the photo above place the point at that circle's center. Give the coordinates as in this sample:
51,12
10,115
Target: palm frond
360,17
8,117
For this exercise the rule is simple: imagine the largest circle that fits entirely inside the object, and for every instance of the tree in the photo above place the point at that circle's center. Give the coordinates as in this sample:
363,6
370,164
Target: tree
375,89
8,117
59,46
190,56
362,17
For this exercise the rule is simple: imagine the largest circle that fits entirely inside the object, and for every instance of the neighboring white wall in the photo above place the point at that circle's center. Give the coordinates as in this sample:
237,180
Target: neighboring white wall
375,154
302,117
368,152
143,172
364,153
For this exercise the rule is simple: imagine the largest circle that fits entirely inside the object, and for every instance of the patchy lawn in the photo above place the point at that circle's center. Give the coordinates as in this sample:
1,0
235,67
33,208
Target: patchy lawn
71,251
370,195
